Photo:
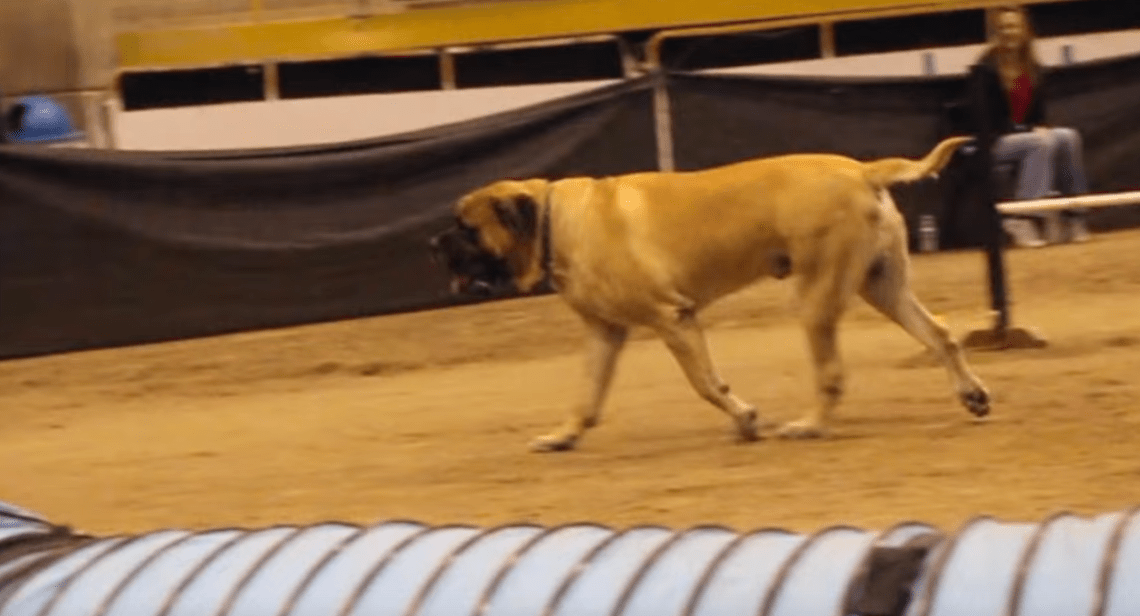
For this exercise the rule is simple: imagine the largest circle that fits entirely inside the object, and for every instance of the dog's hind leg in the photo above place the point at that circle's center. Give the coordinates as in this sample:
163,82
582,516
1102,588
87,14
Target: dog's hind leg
887,288
605,344
682,334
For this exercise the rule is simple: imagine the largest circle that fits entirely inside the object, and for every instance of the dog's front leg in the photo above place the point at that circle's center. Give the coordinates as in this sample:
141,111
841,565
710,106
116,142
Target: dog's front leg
683,335
605,344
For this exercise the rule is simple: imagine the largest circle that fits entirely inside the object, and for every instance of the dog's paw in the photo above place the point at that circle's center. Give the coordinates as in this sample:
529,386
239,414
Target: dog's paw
977,401
549,443
801,429
748,426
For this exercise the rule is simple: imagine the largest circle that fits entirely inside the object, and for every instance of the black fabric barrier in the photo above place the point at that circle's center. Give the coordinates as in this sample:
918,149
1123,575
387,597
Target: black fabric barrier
111,248
723,118
103,248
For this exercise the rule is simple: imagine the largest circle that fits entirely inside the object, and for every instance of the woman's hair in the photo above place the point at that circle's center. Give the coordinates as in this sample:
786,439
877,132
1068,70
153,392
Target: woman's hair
1024,59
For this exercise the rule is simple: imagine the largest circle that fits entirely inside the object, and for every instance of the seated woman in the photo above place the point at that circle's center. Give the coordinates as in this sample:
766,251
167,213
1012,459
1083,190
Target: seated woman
1049,158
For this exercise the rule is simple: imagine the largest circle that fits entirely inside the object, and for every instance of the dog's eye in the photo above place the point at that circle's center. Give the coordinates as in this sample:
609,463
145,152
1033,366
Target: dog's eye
467,230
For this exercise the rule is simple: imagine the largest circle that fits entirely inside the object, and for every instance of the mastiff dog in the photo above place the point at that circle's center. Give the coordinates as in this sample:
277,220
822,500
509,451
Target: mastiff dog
652,249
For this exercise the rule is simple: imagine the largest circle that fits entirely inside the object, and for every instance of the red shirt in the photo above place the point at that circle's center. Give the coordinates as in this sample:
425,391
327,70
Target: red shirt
1019,97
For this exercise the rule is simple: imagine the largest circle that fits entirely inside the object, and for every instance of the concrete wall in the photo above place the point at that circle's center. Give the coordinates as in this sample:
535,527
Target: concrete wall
37,46
38,51
58,47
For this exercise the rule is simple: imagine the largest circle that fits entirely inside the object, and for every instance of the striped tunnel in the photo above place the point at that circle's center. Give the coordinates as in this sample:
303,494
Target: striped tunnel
1066,565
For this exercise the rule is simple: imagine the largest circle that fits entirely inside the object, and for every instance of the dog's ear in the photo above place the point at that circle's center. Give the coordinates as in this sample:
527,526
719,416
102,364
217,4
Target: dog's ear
519,216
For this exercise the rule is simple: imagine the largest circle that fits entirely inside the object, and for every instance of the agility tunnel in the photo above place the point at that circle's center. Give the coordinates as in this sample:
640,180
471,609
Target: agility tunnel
1066,565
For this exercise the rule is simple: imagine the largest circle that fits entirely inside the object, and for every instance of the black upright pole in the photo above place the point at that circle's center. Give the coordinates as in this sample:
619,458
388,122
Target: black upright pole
994,235
3,121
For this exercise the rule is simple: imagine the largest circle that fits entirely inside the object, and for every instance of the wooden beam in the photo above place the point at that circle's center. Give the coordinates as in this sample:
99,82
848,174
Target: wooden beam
1069,203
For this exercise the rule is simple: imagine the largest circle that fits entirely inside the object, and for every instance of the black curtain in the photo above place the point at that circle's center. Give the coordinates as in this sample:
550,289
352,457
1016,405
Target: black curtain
719,118
723,118
103,248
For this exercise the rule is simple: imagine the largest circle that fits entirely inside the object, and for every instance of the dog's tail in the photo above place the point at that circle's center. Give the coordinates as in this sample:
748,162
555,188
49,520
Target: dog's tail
887,171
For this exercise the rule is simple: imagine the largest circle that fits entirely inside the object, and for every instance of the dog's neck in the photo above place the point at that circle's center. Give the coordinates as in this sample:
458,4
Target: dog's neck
547,250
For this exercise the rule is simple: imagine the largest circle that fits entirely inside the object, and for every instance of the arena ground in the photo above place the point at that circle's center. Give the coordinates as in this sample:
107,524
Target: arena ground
427,416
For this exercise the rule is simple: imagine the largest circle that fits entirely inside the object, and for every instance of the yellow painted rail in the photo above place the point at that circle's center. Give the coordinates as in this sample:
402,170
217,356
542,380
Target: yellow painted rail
261,34
256,36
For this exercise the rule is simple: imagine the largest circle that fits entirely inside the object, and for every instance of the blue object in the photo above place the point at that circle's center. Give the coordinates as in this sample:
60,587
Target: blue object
40,119
1064,566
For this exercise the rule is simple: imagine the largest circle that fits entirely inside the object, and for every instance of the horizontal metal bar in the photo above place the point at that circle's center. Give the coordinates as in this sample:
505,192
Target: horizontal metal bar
1066,203
807,18
56,92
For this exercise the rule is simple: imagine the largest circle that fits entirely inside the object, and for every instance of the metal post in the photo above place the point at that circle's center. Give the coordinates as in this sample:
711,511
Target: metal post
995,267
112,107
827,39
1067,54
929,66
97,120
631,67
271,86
447,79
994,237
663,121
1002,335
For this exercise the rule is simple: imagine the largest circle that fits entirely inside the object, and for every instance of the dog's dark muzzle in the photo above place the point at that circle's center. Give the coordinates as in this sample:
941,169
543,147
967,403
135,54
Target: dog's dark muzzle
473,271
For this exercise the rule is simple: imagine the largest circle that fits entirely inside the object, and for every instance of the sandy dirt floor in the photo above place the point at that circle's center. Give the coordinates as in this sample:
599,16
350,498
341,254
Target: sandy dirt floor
427,416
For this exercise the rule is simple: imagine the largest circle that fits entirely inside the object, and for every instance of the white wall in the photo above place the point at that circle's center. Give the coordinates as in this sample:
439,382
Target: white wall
321,120
947,60
346,118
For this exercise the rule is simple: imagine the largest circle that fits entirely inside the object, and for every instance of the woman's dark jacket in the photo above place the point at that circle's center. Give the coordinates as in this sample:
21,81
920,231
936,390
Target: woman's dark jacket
996,108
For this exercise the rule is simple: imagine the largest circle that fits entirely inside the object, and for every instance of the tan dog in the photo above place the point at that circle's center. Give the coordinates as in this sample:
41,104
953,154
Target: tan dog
653,249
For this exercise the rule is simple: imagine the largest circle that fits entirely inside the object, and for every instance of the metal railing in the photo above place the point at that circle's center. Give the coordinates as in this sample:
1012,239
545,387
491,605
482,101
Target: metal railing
142,14
133,14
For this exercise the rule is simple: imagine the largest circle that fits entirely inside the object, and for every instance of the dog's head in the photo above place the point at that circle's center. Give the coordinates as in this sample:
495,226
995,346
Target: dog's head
493,243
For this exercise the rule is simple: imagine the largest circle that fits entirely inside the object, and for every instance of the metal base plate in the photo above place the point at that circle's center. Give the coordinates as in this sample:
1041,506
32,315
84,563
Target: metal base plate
1009,338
